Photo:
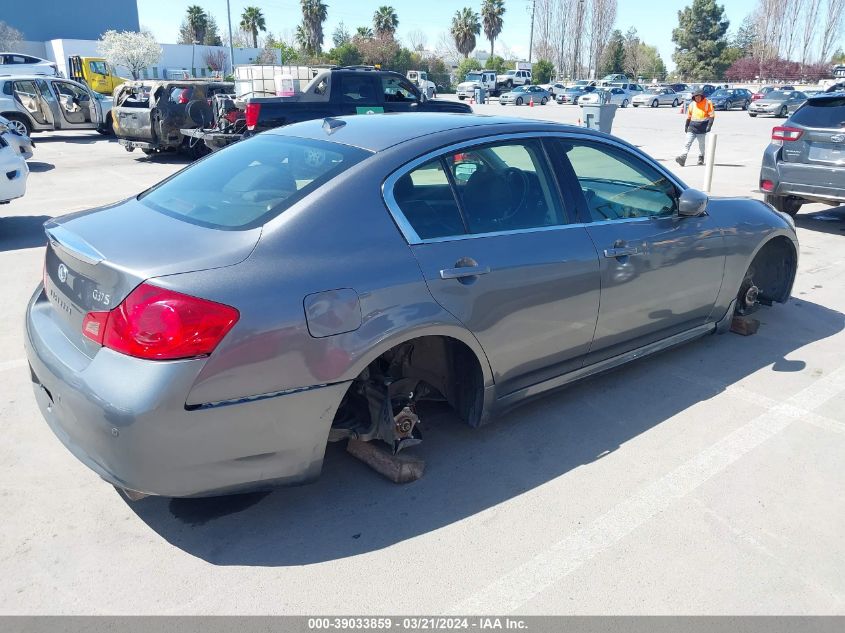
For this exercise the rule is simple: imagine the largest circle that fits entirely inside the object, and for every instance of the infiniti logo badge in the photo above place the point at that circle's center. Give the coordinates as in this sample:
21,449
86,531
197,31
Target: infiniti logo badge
62,273
837,138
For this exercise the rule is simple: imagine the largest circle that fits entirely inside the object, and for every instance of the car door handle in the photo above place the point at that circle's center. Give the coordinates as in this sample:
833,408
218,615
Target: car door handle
463,271
621,251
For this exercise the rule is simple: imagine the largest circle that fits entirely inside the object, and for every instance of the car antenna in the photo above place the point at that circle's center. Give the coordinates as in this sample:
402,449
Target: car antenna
330,125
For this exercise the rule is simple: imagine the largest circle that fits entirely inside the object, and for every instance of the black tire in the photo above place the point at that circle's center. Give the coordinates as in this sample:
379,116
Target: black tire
655,104
745,105
783,112
107,129
518,101
509,84
624,103
461,98
675,103
20,120
784,204
751,114
543,101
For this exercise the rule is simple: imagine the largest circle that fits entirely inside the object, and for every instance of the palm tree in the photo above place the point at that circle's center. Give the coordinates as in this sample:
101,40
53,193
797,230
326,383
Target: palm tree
197,22
301,38
252,21
364,32
465,26
385,22
491,13
314,13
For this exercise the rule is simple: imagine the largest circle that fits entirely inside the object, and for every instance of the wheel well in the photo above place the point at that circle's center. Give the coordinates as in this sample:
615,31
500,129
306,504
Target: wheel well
443,363
774,268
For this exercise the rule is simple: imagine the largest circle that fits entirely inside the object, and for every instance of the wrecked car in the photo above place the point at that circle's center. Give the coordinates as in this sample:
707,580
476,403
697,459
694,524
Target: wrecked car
149,115
318,282
37,103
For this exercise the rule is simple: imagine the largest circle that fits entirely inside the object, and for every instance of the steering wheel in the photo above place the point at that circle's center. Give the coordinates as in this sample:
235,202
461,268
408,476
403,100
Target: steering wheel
516,177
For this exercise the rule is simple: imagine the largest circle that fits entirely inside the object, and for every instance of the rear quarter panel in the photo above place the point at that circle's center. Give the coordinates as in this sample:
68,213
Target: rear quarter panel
340,237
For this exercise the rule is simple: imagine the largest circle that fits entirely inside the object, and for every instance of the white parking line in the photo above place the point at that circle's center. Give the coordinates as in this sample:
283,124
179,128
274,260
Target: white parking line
518,586
12,364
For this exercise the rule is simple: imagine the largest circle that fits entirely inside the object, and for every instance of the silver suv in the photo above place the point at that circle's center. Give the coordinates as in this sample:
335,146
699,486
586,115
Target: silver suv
805,161
36,103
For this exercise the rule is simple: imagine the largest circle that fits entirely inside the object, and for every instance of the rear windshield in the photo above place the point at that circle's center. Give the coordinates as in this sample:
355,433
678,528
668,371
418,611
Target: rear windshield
250,182
828,113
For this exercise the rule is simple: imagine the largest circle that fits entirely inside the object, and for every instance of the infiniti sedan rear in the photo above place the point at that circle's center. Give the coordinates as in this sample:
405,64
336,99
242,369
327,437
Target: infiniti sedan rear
318,282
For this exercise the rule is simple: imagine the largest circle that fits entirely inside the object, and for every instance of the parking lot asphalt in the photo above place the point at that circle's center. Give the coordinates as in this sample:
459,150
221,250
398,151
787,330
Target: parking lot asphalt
705,480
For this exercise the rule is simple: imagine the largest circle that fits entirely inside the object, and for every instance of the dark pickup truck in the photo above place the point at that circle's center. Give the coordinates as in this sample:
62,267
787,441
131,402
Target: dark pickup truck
333,92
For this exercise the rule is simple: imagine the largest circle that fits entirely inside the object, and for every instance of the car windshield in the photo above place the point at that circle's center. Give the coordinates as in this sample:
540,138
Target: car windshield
474,77
511,72
250,182
721,93
778,94
518,89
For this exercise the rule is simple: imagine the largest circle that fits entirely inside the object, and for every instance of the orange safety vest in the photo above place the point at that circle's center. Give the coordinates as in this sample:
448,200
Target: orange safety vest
700,111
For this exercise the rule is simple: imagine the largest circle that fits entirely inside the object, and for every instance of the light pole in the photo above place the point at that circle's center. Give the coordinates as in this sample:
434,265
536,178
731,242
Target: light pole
193,51
531,36
231,46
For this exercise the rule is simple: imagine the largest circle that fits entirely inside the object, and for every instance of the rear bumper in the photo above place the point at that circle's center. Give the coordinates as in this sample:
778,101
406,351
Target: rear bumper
811,182
126,419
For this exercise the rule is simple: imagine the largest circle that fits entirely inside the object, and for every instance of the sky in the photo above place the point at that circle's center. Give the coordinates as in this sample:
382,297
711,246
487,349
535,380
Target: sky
654,20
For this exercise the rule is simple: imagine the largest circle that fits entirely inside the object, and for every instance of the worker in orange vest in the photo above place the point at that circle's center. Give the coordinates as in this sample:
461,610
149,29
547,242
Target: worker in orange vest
700,115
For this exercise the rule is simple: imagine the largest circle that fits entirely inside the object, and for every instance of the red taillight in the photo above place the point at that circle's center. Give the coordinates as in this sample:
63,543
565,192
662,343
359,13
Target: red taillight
94,326
252,111
159,324
767,185
232,115
756,96
183,96
784,133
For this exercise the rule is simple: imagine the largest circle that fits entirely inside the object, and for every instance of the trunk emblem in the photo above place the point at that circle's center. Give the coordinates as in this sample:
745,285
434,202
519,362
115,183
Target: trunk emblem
837,138
62,273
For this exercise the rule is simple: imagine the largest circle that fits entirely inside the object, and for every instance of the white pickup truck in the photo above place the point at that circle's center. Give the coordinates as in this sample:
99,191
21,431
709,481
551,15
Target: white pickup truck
419,78
477,79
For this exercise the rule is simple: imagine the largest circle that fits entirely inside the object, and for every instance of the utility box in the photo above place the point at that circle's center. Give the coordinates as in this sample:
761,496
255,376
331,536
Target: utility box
481,94
599,117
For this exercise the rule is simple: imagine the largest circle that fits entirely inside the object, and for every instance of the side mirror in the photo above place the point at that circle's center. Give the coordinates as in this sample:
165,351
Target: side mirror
692,203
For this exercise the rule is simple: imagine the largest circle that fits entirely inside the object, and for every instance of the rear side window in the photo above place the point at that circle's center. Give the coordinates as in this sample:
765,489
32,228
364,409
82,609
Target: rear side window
250,182
827,113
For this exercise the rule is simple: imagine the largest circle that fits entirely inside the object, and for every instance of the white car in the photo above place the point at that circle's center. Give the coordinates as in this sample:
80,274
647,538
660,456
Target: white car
23,144
19,64
13,172
612,95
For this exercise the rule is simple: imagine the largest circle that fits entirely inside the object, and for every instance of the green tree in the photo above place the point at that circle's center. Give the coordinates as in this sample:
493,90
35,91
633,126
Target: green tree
252,21
494,62
341,36
746,36
491,15
700,40
385,22
364,32
613,60
465,26
197,20
542,71
314,13
839,57
652,63
465,66
347,54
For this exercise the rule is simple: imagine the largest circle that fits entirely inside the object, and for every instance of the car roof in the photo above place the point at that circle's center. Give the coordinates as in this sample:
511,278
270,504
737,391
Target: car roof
378,132
31,76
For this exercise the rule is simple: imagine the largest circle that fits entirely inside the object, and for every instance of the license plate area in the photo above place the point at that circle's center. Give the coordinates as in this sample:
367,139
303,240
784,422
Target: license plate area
827,153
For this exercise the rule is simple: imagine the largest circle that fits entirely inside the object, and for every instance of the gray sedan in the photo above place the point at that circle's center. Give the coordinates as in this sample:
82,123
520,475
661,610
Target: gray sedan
315,283
655,97
778,103
524,95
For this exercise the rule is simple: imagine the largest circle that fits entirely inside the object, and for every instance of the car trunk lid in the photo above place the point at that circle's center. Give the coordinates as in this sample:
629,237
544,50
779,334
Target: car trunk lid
94,259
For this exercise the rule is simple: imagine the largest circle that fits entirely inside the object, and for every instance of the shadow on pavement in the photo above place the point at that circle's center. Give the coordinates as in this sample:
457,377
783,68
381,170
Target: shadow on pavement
350,510
38,167
79,139
829,220
25,231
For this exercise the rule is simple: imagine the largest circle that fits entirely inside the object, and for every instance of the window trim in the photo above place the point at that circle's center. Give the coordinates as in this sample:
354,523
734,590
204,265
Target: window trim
561,182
